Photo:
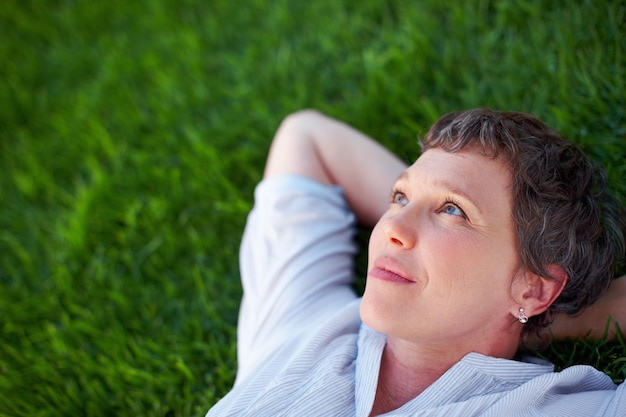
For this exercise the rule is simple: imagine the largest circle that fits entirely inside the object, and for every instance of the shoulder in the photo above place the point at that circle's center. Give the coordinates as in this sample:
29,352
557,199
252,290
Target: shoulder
337,336
577,390
303,367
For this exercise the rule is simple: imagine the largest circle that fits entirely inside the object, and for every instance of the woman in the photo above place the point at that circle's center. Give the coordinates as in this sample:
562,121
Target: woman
496,227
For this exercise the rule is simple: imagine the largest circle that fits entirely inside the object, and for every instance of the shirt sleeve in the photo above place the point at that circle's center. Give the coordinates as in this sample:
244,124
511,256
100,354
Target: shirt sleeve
296,263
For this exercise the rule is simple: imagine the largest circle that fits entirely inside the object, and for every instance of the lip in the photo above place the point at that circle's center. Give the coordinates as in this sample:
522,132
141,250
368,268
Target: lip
387,269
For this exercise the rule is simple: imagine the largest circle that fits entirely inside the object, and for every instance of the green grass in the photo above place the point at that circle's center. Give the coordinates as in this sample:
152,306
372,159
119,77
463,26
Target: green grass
132,134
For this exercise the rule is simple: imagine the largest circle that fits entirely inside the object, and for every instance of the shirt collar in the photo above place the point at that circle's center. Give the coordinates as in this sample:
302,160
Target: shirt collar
475,374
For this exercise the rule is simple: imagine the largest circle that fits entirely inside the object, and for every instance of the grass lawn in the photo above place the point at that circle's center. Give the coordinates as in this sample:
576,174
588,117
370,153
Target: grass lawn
132,134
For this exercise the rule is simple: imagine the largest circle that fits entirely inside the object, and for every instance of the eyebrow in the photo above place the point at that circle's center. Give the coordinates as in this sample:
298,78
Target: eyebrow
447,187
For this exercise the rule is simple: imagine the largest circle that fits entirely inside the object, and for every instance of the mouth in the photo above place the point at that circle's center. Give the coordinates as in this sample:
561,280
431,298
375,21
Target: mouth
386,269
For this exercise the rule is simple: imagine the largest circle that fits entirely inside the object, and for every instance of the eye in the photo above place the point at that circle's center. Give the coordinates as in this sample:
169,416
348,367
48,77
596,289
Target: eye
398,197
453,209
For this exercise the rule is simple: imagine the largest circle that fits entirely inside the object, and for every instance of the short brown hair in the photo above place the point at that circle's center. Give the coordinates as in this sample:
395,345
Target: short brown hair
562,211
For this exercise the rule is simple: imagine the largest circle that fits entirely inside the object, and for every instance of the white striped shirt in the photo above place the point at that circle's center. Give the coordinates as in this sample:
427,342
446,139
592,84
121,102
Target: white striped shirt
303,350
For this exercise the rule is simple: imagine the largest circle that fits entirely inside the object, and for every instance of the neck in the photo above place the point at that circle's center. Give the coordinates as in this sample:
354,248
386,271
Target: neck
403,376
406,370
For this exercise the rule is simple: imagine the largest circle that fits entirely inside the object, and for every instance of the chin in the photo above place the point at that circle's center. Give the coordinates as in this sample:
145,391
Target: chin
375,315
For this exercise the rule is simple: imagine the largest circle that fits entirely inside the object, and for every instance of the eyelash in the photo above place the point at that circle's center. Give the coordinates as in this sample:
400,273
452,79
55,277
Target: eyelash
394,193
453,202
448,201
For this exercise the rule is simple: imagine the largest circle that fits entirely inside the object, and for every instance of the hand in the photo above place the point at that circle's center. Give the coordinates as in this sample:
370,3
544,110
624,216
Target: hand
593,321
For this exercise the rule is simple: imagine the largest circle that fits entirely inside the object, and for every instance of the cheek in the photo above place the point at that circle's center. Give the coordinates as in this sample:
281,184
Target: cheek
453,252
460,267
375,241
467,266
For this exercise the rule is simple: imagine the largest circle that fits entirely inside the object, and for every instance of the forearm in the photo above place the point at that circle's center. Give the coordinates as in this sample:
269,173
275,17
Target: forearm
311,144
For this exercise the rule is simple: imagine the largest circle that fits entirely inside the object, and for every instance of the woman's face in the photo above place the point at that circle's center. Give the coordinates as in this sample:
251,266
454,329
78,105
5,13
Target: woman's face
443,257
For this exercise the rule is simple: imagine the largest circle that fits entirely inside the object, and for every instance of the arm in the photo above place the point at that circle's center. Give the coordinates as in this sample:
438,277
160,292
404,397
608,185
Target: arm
296,255
311,144
593,320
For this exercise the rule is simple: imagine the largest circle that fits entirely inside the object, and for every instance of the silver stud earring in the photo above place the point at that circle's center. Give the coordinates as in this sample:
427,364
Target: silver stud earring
523,318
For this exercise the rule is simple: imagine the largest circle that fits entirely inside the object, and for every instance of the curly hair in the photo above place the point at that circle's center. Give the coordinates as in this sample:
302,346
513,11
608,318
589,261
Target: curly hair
562,210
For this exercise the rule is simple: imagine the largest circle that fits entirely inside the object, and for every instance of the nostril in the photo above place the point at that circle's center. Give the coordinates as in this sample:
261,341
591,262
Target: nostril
396,241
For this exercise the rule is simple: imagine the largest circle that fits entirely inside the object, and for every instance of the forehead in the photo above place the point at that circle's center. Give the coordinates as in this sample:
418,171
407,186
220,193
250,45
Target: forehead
468,174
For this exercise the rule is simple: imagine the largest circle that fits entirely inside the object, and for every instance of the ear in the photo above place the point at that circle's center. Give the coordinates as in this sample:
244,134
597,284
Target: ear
535,293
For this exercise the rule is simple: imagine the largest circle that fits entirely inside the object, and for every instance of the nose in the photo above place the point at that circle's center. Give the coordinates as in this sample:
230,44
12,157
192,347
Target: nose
401,230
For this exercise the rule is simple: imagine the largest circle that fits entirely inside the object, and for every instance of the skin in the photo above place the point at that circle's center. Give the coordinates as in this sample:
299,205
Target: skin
312,145
444,272
449,240
331,152
602,319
